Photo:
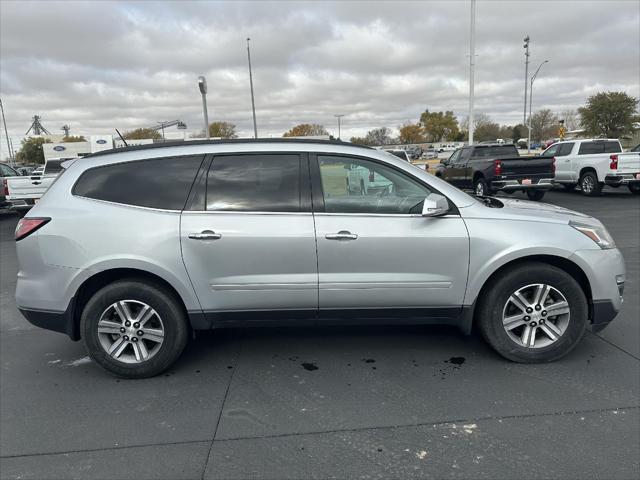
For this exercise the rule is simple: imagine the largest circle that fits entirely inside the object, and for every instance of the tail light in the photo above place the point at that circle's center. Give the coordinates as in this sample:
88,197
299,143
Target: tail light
614,162
497,165
5,187
553,165
26,226
371,176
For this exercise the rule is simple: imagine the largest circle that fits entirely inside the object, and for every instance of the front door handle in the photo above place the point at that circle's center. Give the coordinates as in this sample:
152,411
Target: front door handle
205,235
341,235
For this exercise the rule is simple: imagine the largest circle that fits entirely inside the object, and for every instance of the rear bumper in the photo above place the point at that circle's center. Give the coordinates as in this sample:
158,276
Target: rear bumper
513,185
61,322
622,179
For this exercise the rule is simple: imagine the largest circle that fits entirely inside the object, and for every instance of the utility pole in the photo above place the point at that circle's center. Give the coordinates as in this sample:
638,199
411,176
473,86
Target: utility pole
533,77
253,103
472,66
4,121
526,77
202,85
339,116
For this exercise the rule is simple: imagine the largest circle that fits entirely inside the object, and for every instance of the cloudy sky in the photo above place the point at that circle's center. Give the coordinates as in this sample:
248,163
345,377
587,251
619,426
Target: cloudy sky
101,65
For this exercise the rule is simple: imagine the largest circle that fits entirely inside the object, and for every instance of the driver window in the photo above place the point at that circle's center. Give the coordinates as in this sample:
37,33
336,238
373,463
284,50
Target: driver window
353,185
551,151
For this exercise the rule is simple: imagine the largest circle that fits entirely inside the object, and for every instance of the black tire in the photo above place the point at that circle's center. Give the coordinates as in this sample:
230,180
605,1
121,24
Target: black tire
495,296
481,187
635,189
569,187
535,195
589,184
174,321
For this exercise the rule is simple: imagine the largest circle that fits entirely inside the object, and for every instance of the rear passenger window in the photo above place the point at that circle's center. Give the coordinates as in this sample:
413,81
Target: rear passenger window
565,149
254,183
612,147
162,183
590,148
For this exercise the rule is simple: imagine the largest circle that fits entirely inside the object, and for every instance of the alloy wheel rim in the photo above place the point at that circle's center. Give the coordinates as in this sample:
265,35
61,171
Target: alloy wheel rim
536,315
130,331
587,184
479,190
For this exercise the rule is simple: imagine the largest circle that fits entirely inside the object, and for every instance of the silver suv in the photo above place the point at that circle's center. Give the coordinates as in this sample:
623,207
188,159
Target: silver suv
131,250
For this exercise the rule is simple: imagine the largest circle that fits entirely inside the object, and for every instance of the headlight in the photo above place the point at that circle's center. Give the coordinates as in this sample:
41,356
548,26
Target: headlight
598,234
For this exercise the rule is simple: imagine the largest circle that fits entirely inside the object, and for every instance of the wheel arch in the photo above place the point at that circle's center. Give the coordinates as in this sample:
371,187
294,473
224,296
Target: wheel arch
100,279
565,264
584,170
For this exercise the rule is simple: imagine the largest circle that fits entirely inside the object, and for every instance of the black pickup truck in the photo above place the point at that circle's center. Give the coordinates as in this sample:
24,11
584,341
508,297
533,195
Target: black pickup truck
489,168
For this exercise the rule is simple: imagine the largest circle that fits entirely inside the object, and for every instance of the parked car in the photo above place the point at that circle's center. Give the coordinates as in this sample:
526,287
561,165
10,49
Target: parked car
132,250
593,163
498,167
401,154
24,192
6,172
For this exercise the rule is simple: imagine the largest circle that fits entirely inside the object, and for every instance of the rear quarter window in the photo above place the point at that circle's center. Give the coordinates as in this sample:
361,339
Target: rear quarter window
591,148
162,183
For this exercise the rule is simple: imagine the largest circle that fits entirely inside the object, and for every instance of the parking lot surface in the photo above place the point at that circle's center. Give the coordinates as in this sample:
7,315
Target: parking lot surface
383,402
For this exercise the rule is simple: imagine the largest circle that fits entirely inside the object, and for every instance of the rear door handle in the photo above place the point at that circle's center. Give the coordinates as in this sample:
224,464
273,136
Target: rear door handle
205,235
341,235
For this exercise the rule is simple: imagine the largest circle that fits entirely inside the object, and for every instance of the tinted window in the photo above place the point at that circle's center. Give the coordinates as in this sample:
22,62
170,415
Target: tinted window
590,148
565,149
455,156
612,147
158,183
258,183
495,151
465,155
353,185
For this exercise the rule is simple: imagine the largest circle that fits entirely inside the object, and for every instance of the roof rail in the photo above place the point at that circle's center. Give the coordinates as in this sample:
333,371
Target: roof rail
183,143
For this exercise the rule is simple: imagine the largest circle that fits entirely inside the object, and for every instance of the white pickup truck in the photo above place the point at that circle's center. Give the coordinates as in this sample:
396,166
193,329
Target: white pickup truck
24,191
594,163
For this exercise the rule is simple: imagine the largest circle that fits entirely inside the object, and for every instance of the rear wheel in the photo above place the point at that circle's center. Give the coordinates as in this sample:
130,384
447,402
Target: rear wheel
589,184
134,329
635,189
481,188
533,313
536,195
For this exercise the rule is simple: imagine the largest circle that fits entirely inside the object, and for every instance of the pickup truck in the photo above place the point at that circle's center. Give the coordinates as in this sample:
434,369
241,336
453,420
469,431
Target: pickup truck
488,168
6,172
594,163
24,191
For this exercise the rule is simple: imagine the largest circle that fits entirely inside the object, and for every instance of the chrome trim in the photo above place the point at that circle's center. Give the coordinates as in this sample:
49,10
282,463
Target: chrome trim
229,212
387,215
108,202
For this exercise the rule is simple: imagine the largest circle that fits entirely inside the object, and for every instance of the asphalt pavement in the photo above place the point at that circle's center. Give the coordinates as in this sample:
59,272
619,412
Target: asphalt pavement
383,402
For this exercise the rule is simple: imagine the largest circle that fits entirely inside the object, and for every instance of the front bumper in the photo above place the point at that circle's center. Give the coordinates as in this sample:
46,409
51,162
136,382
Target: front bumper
622,179
605,271
515,185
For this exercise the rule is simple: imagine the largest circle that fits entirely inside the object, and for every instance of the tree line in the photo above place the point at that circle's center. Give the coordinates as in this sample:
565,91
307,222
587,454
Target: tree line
605,114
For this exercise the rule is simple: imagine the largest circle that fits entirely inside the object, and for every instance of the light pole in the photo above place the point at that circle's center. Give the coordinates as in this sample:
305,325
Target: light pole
472,66
339,116
533,77
4,121
526,77
202,85
253,103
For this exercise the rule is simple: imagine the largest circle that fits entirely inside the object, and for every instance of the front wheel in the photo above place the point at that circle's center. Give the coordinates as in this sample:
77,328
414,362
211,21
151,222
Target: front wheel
535,195
134,329
635,189
532,313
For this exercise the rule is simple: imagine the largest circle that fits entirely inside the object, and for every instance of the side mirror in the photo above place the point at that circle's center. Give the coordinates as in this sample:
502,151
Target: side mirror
435,205
444,161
